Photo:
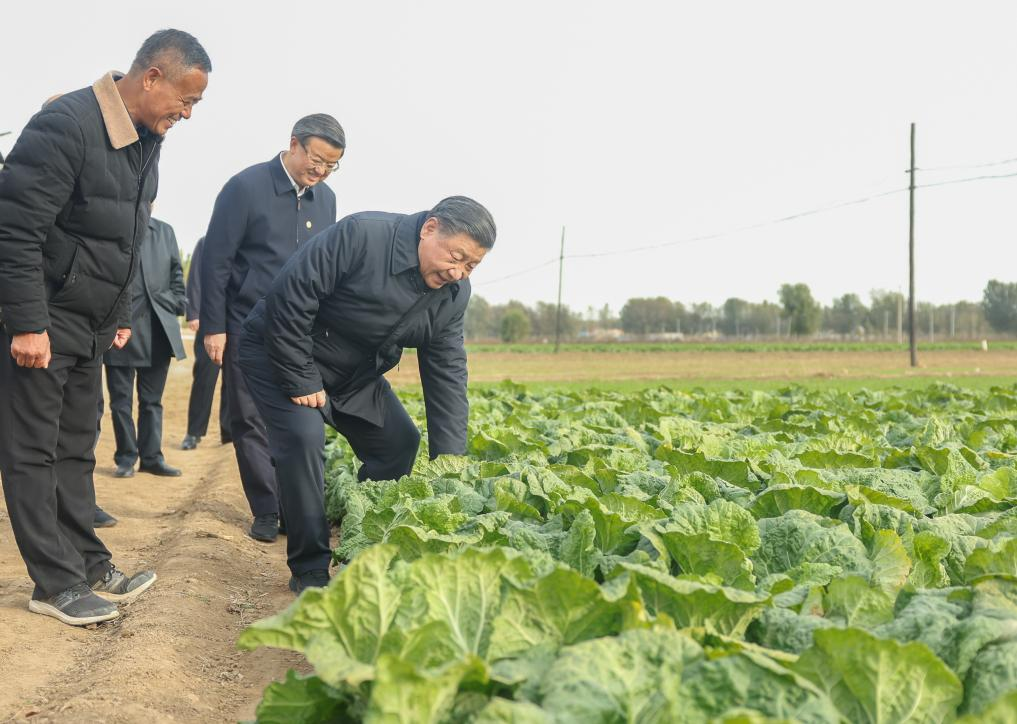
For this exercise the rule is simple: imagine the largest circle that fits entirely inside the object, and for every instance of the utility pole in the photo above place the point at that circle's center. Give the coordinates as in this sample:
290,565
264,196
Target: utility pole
911,255
561,272
886,324
953,320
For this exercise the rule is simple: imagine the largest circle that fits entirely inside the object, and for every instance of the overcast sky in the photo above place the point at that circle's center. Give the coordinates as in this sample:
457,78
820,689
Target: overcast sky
632,124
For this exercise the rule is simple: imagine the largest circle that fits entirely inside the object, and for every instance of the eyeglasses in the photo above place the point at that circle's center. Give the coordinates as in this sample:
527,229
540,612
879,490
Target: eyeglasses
317,164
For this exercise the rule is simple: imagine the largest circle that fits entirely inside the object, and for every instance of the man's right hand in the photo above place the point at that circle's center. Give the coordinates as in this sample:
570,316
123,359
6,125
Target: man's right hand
31,350
215,345
192,324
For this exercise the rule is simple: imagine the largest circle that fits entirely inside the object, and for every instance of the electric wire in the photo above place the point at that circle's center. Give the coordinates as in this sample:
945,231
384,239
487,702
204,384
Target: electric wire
752,227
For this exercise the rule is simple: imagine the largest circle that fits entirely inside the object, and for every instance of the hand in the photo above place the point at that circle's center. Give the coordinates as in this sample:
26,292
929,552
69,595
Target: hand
316,399
215,345
192,324
31,350
121,338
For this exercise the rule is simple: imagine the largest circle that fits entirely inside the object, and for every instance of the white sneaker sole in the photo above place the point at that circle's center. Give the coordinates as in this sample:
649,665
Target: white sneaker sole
47,610
130,595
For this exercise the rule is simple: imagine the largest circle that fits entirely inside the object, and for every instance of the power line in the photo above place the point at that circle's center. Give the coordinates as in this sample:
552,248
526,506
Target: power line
967,180
1004,162
549,262
751,227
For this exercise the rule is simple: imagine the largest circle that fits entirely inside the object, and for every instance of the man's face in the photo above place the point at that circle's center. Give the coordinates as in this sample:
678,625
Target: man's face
446,258
312,160
166,101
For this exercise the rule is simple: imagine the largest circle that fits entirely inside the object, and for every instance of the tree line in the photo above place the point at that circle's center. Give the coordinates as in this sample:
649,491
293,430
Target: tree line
797,313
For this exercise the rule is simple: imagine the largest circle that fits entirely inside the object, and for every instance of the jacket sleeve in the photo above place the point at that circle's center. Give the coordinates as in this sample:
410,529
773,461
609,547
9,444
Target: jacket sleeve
312,274
176,274
193,291
226,231
35,185
443,376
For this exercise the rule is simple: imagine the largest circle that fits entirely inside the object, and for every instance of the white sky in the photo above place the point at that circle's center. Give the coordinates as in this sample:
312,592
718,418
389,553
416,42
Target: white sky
630,123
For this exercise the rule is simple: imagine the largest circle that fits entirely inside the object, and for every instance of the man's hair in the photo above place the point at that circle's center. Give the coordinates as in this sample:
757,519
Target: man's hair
173,52
322,126
463,215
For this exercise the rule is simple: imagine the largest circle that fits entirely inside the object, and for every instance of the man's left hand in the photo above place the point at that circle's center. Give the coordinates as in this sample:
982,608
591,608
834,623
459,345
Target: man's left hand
316,399
121,338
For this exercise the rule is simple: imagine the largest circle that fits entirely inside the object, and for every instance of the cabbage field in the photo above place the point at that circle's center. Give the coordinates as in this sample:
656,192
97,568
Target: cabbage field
674,557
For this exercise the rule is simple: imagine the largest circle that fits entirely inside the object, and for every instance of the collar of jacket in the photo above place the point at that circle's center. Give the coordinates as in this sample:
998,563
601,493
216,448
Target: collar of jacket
405,243
119,126
281,181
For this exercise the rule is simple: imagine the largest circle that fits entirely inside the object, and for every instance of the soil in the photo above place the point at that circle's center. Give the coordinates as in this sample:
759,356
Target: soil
171,656
583,366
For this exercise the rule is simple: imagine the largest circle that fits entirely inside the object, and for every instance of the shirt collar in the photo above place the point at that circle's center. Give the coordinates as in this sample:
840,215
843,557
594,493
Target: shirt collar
284,182
119,126
405,248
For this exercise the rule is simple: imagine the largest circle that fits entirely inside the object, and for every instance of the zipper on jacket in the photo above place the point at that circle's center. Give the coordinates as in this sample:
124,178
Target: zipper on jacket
134,238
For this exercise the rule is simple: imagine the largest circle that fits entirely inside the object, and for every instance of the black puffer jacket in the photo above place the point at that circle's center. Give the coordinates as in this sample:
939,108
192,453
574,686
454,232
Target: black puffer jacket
75,199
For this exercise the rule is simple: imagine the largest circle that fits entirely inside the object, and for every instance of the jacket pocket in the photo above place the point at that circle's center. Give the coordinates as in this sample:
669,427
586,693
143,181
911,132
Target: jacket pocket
65,283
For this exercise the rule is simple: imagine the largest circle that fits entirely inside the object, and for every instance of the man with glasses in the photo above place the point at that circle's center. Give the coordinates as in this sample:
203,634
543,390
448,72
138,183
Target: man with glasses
260,219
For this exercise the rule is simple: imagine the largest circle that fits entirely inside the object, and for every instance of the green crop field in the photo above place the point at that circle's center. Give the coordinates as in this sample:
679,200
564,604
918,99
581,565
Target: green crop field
660,555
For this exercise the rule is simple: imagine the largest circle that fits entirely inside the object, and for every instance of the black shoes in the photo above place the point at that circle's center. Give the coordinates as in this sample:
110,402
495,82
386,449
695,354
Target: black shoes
124,470
311,579
190,442
77,606
118,586
160,468
265,527
103,519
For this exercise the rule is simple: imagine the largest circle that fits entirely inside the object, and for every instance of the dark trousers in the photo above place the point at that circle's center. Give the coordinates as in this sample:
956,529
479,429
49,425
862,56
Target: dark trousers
47,455
250,441
146,440
296,437
204,376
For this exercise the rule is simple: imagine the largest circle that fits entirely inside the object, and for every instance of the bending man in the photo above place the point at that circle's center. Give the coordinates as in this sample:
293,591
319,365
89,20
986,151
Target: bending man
336,319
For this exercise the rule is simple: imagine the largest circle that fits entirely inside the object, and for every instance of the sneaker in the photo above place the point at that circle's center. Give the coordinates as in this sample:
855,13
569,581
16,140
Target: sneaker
77,606
190,442
265,527
102,519
312,579
118,586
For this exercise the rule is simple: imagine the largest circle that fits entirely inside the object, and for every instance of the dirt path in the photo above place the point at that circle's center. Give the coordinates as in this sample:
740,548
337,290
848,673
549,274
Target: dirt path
171,655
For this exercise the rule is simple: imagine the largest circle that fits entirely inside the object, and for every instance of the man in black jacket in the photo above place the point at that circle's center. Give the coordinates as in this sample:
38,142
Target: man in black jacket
261,217
75,199
205,372
158,299
336,319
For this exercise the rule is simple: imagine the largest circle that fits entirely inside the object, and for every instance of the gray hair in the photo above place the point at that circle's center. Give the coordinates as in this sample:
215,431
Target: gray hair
463,215
183,48
323,126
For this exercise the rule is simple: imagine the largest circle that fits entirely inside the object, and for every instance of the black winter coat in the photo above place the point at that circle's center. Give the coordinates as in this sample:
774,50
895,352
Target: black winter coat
75,199
257,224
336,301
157,299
